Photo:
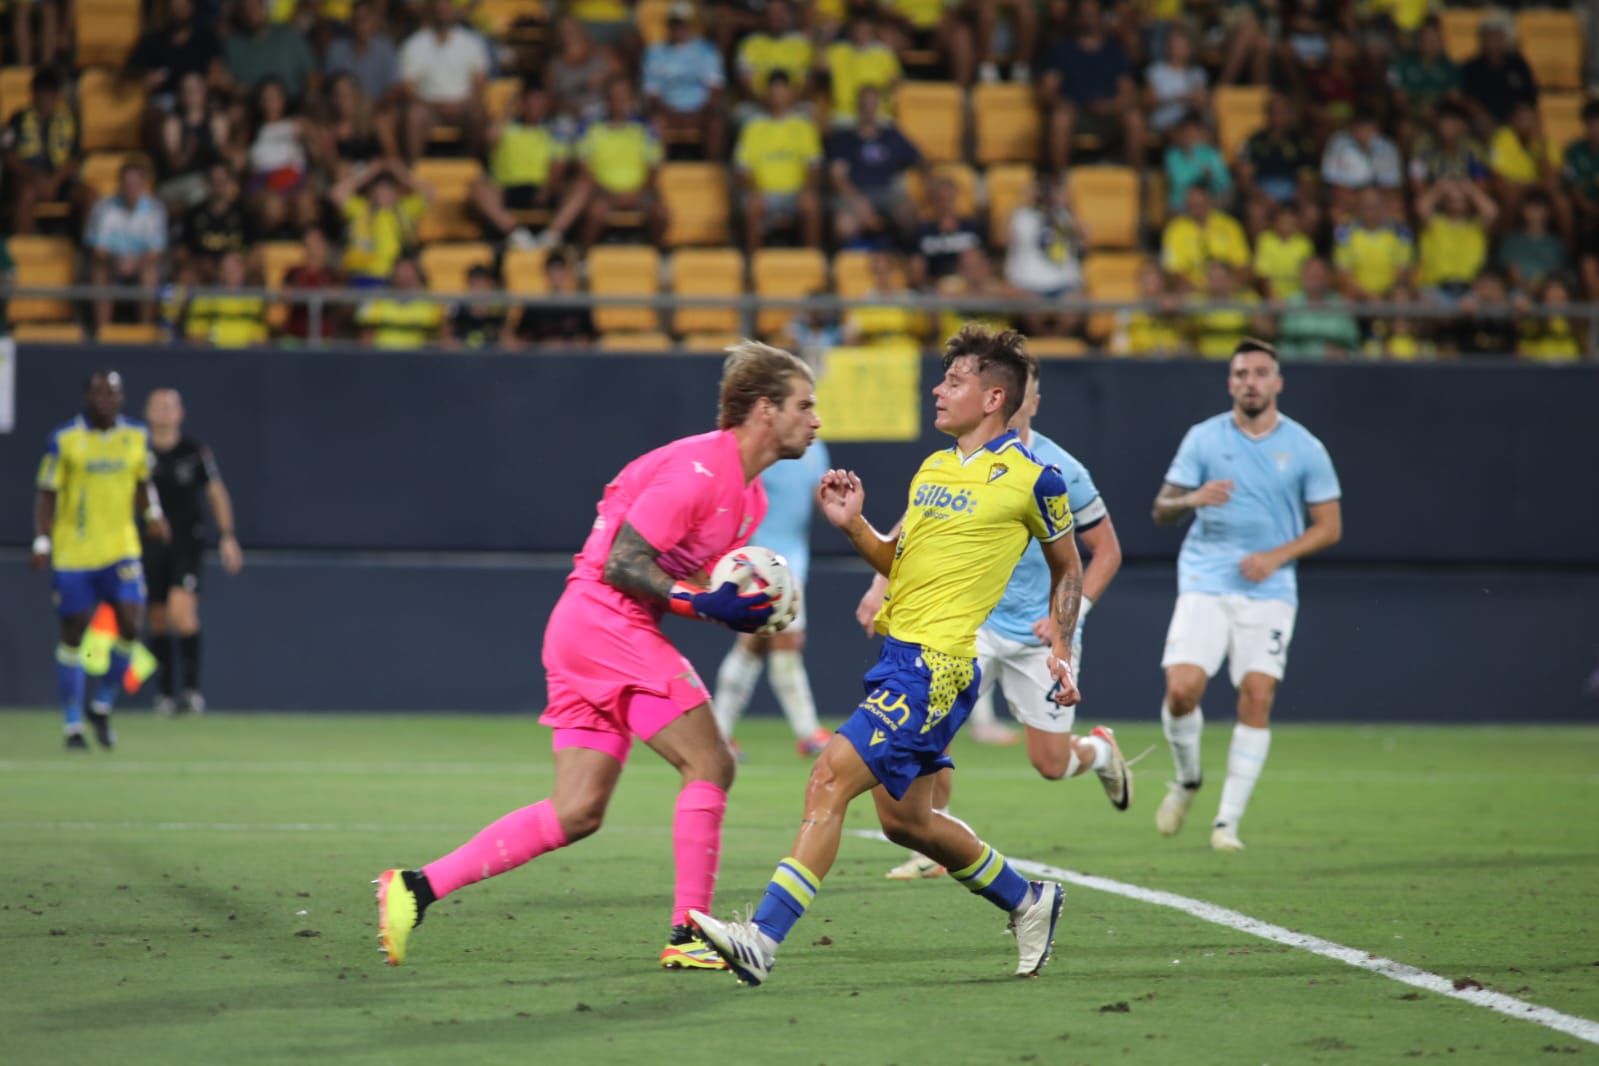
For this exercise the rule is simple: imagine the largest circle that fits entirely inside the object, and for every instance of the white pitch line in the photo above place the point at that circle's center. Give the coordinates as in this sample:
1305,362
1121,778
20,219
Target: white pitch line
1570,1024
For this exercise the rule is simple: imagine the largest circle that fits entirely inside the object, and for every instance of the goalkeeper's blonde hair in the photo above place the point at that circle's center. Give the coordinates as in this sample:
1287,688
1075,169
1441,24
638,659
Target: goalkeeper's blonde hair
751,372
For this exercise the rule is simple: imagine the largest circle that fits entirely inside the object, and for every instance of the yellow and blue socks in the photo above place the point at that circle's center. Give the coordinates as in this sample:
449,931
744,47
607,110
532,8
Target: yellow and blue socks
70,685
791,890
121,655
996,880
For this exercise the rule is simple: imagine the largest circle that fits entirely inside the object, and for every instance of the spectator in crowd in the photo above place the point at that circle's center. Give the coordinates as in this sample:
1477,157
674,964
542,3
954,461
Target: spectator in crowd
279,165
397,319
1551,339
478,325
166,54
1447,151
1176,85
620,164
889,323
556,325
576,76
1401,338
1358,158
526,164
1247,46
1317,323
257,50
1191,159
43,151
1455,217
1278,163
228,319
973,280
1532,252
381,206
814,333
1199,236
683,84
780,46
1521,161
931,26
1422,78
1145,331
944,238
1486,325
215,226
1044,255
126,237
1023,15
1373,253
1497,77
779,161
444,69
315,271
53,19
368,55
1224,315
607,22
1335,87
194,136
1281,253
868,164
1581,172
856,62
1088,88
353,135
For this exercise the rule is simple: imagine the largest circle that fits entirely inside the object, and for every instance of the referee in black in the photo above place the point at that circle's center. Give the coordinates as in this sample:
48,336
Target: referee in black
187,479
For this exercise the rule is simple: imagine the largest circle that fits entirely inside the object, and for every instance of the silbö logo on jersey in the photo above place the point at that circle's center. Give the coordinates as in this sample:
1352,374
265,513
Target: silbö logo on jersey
105,466
940,498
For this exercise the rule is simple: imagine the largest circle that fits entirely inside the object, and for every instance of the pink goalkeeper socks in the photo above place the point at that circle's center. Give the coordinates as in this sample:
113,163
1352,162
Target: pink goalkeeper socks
506,844
697,846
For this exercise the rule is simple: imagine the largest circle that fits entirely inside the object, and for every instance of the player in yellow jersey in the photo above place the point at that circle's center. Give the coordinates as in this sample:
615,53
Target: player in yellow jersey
94,476
971,512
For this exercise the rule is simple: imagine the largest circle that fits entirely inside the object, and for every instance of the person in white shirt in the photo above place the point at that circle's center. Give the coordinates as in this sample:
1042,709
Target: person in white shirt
1176,84
1044,254
444,69
126,236
1357,158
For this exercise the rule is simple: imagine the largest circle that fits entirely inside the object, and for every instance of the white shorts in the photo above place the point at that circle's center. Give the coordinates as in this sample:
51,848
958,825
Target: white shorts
1022,673
1252,635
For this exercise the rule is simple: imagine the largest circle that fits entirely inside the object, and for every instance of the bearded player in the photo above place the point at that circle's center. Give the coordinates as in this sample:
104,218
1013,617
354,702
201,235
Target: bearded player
613,676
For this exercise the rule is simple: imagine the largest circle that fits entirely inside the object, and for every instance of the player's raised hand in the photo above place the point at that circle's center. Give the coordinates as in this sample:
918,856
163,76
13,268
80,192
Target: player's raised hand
841,496
1064,690
1211,494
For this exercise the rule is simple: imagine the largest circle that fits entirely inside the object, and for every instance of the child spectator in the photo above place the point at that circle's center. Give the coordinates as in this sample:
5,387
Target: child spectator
1456,217
382,207
1372,252
1192,159
1199,236
478,325
1281,254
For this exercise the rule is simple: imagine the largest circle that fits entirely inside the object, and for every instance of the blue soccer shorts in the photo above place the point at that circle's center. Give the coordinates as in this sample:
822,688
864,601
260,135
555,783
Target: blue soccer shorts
916,701
81,591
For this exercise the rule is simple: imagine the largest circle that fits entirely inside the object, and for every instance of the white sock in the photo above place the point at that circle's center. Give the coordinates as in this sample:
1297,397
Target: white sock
1245,759
793,688
735,684
1101,748
1183,736
983,709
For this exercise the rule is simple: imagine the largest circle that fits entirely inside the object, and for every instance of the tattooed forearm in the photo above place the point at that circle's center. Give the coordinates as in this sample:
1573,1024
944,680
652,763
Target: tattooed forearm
631,567
1065,587
1068,599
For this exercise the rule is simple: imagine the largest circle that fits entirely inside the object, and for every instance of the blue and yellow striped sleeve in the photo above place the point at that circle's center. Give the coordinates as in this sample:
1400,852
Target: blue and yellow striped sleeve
1050,516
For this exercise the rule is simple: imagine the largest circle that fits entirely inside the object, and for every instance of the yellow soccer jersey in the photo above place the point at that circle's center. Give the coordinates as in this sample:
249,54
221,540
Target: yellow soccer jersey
93,474
965,529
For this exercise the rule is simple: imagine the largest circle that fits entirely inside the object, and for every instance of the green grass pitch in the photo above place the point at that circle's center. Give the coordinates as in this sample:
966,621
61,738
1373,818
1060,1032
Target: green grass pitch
202,895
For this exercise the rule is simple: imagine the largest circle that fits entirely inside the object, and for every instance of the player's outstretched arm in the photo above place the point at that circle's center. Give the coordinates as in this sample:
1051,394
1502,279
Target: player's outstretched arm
44,519
1065,598
1326,528
872,600
841,496
1176,502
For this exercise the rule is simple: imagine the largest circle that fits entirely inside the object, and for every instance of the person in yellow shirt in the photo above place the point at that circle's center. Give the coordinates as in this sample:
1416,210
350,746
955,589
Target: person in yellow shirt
398,322
1217,330
1281,254
1552,339
1153,329
1198,236
780,46
93,480
891,323
1401,338
779,160
382,206
1521,159
527,161
1372,253
227,321
857,62
619,160
1456,217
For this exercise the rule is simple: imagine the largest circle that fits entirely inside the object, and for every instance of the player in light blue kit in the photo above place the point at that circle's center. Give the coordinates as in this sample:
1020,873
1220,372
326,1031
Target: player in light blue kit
786,530
1248,477
1013,644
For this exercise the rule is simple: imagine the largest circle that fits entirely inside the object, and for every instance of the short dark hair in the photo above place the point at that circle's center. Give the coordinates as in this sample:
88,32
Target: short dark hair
111,376
1253,345
777,76
1000,354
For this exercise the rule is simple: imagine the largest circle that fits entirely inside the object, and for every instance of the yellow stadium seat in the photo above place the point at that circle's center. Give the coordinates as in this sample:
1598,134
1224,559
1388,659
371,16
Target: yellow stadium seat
500,15
107,31
42,261
277,259
1551,42
1005,121
932,115
1240,111
111,110
852,274
1010,185
1561,114
625,270
653,341
451,216
446,265
964,177
48,333
650,17
697,199
1057,347
102,170
786,273
128,333
500,95
16,90
705,272
1459,27
1105,201
713,343
1110,276
524,272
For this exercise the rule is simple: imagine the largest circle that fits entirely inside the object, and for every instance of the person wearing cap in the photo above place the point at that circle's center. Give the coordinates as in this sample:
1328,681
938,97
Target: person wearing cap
683,83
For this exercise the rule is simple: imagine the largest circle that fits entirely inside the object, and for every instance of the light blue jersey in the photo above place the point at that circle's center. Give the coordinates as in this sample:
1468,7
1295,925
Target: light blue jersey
1026,598
790,497
1274,479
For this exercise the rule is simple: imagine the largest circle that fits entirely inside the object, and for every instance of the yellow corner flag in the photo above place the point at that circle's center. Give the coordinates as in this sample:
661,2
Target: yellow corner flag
96,650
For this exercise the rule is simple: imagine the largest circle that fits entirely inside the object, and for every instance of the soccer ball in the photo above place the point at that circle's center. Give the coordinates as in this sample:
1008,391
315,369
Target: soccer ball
751,567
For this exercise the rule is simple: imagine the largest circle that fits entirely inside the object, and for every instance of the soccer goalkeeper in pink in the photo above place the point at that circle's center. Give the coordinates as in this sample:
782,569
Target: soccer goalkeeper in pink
613,676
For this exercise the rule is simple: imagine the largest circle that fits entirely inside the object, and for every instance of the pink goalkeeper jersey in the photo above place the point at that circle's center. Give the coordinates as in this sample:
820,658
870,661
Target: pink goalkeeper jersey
688,499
